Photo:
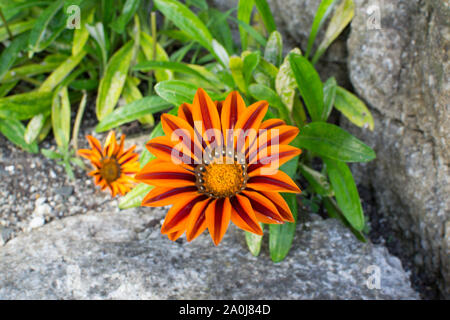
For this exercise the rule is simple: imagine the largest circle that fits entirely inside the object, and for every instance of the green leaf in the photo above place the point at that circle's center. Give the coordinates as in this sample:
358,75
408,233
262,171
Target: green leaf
329,94
329,140
261,92
317,180
282,235
267,68
201,4
220,52
342,17
244,13
15,131
322,13
146,43
177,92
274,49
81,35
353,108
25,105
97,32
134,198
34,127
61,118
220,28
252,32
29,70
266,14
61,72
346,193
168,65
16,29
131,112
254,242
285,82
309,85
129,9
187,21
51,154
237,71
40,27
113,80
11,53
251,61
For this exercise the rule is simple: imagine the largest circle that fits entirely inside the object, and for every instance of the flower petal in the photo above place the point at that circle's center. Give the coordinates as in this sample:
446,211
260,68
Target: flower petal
185,113
197,220
232,108
273,157
271,123
177,217
243,216
177,128
165,173
161,196
265,210
206,118
248,123
175,235
110,144
170,151
218,215
275,136
278,182
95,146
280,204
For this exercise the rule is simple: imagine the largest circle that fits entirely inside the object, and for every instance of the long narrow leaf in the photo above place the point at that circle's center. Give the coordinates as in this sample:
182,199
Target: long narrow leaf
346,192
329,140
353,108
244,13
15,131
322,13
266,14
132,111
25,105
112,83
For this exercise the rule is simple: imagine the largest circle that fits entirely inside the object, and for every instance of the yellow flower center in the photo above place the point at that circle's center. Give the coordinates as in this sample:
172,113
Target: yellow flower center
110,169
220,179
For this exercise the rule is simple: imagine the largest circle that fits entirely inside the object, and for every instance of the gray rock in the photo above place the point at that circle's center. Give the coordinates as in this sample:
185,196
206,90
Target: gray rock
5,235
124,256
294,19
402,70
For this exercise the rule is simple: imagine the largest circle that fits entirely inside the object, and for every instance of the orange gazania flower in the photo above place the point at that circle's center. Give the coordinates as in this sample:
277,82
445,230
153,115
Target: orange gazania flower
217,162
114,168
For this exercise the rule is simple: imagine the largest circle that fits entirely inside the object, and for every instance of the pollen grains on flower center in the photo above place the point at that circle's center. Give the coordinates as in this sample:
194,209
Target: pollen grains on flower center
220,179
110,169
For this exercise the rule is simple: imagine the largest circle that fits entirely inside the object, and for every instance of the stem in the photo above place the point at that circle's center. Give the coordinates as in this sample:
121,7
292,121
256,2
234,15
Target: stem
76,126
6,25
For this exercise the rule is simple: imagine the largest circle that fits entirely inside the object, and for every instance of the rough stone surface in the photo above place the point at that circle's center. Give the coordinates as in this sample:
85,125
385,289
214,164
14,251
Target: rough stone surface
124,256
294,19
403,71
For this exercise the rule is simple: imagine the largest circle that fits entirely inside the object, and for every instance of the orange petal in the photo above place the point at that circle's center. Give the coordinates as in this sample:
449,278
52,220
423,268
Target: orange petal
266,138
233,107
178,129
271,123
170,151
161,196
278,182
273,157
218,215
175,235
197,220
248,124
206,118
177,217
280,204
165,174
110,144
95,146
265,210
243,216
185,113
